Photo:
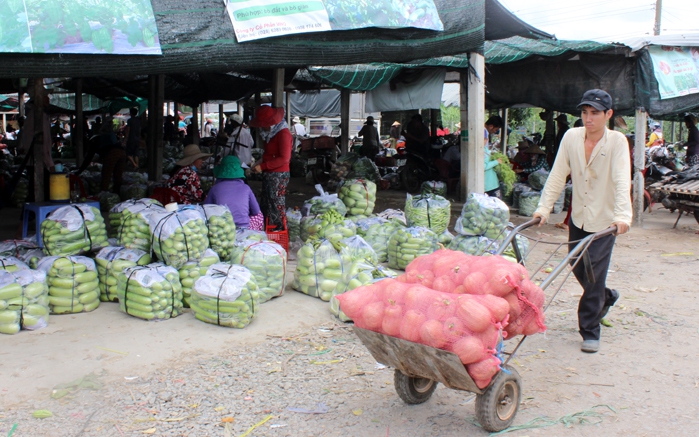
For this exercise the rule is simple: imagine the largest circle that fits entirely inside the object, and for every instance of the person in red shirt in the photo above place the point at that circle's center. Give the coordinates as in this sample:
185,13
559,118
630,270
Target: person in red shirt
275,162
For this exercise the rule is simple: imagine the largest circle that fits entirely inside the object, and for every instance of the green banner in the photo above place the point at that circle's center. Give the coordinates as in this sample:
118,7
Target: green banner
123,27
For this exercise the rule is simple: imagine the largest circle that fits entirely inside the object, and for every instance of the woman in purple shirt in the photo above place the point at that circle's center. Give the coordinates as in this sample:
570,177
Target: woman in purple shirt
230,190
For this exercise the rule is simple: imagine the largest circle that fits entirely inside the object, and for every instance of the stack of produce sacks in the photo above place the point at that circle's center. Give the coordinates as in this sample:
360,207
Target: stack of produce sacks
528,202
522,243
266,260
428,211
357,248
359,196
115,214
24,250
406,244
24,302
248,234
293,222
455,272
12,264
393,214
73,229
134,229
469,326
219,221
538,179
73,283
433,187
193,270
329,225
179,236
151,292
376,231
226,296
365,168
111,261
517,191
319,268
322,203
481,216
360,272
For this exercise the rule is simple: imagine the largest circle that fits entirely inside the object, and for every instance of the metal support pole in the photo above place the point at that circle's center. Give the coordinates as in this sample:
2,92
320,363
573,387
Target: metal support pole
288,107
464,79
345,98
221,118
38,140
639,158
76,135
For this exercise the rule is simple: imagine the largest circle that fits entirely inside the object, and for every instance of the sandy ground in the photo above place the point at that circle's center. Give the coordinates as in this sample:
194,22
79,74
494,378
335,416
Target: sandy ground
645,373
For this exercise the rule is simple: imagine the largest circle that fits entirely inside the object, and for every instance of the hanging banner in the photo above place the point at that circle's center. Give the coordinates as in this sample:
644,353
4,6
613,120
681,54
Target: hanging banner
124,27
676,70
256,19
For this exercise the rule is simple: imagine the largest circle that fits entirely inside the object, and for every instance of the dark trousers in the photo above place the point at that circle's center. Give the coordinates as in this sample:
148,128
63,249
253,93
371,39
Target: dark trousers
595,294
113,167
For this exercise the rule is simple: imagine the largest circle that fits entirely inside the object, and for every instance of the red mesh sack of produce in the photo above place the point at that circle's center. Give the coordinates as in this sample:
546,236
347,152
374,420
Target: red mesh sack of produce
470,326
455,272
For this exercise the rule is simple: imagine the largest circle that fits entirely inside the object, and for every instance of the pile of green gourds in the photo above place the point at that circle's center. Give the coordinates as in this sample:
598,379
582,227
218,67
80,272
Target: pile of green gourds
73,283
376,231
151,292
406,244
359,195
319,268
24,302
428,211
357,274
193,270
115,214
221,227
73,229
179,236
111,261
483,215
266,260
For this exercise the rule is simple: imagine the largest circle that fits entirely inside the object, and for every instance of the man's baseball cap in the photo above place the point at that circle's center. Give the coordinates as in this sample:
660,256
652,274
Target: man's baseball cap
598,99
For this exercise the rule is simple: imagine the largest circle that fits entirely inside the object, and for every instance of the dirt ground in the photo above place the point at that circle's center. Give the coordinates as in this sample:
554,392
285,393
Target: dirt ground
643,382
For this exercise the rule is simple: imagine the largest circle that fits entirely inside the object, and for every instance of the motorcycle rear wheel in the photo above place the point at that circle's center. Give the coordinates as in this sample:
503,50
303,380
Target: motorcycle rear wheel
410,176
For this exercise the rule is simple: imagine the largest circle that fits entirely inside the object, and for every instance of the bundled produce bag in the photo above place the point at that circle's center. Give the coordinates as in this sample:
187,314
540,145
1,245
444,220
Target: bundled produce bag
469,326
73,283
528,202
537,179
24,301
329,225
323,202
433,187
134,229
483,215
428,211
517,191
406,244
293,221
319,269
558,204
111,261
341,169
179,236
568,193
221,229
522,243
242,235
445,238
151,292
116,212
266,261
359,195
226,296
73,229
12,264
376,231
22,249
193,270
393,214
359,273
474,244
455,272
365,168
357,248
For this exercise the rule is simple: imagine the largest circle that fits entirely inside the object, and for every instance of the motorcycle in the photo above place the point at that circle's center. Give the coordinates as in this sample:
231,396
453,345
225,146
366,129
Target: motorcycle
320,154
414,169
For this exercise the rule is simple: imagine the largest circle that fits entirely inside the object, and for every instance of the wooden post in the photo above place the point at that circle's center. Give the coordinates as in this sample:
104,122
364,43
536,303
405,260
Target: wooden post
20,101
288,108
503,134
221,118
202,118
278,87
150,143
259,143
433,122
345,98
76,135
158,156
475,152
464,80
639,155
38,140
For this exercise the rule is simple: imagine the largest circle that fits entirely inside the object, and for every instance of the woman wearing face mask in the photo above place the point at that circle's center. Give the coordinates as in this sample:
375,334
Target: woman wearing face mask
275,162
185,181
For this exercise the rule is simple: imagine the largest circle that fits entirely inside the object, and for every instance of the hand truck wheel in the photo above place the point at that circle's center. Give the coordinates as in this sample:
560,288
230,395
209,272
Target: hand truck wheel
413,390
497,407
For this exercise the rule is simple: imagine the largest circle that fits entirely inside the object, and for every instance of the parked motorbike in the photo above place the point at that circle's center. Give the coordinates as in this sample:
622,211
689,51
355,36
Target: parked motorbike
414,169
320,154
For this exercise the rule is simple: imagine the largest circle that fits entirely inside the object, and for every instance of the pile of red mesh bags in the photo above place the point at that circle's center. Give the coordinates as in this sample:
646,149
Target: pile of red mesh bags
453,301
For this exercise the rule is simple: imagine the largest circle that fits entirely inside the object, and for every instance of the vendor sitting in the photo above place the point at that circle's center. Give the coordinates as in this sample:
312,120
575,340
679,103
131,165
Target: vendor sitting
230,190
186,181
537,161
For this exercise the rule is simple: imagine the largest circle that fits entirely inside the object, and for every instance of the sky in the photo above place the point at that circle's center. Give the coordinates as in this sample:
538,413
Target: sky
605,20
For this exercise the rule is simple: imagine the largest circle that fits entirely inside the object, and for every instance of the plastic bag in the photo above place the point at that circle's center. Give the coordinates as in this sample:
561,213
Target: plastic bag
330,225
111,261
365,168
73,283
357,274
558,204
266,261
219,222
474,244
483,215
445,238
537,179
319,269
73,229
293,221
12,264
248,234
193,270
358,249
376,231
428,211
517,190
433,187
393,214
406,244
151,292
568,196
134,231
528,202
24,302
359,196
116,212
226,296
17,248
179,236
323,202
